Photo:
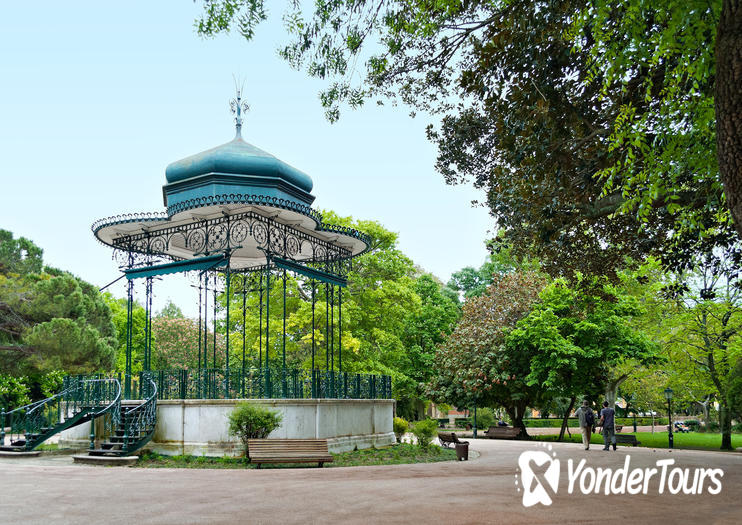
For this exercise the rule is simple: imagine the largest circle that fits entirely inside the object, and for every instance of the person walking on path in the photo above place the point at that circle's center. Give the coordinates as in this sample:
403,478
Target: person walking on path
608,422
587,421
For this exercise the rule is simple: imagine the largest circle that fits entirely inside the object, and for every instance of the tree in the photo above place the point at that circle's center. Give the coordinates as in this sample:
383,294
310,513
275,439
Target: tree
171,311
645,386
704,330
176,344
19,256
53,323
474,365
393,316
590,124
575,340
118,309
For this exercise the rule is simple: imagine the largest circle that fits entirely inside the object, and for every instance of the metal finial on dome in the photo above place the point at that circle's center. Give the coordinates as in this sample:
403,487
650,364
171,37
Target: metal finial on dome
238,106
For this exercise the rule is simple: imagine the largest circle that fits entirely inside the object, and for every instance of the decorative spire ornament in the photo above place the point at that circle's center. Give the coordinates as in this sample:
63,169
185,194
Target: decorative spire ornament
238,107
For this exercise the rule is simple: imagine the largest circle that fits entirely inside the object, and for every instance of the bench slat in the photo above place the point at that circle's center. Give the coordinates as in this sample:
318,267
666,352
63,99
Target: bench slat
288,451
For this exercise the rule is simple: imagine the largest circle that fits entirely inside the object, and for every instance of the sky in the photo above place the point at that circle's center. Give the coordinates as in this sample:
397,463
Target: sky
97,98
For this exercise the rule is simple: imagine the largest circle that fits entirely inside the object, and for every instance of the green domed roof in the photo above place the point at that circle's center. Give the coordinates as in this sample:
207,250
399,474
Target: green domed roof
237,158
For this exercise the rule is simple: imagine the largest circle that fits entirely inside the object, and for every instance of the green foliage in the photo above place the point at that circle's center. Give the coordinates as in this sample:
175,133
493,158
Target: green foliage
171,311
403,453
734,391
392,319
18,256
693,424
474,365
485,418
658,440
425,431
574,422
577,336
13,392
51,383
400,428
538,98
176,344
248,421
51,320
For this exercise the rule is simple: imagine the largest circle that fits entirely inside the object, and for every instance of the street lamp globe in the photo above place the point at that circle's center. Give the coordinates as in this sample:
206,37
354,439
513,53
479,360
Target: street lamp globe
668,393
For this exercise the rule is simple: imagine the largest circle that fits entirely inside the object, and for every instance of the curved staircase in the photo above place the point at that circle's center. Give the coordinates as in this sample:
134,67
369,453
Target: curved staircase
80,401
123,429
134,426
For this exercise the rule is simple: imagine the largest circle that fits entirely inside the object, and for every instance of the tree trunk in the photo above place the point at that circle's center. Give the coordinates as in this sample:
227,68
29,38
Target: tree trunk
725,422
516,415
652,410
611,388
728,105
566,417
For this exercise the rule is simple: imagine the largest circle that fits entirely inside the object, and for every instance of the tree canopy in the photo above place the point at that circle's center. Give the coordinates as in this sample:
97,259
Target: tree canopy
591,125
49,320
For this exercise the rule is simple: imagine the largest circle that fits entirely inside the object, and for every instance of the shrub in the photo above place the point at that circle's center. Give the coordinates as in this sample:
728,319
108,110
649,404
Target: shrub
13,392
444,408
737,427
485,418
692,424
400,427
424,431
249,421
51,383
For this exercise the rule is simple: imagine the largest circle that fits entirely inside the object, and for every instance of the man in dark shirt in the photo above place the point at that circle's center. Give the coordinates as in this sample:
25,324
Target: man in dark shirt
607,421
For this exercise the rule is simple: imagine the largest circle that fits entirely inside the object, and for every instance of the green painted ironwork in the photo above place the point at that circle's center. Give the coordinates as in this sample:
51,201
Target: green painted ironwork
264,383
82,399
200,264
312,273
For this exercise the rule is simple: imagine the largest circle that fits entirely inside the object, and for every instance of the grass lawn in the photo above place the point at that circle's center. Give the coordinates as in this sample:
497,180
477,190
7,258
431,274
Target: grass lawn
392,455
691,440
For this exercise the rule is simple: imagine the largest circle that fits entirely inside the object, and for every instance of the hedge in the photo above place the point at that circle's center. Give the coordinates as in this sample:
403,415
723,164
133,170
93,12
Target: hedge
573,422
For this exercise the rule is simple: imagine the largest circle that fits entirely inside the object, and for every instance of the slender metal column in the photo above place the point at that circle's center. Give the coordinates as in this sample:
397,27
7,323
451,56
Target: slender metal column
267,313
340,329
206,320
213,357
147,364
283,343
129,320
314,378
229,300
260,325
200,301
244,328
332,329
283,357
327,328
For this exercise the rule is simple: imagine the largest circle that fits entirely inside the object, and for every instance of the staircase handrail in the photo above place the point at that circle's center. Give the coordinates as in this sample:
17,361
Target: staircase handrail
139,421
79,405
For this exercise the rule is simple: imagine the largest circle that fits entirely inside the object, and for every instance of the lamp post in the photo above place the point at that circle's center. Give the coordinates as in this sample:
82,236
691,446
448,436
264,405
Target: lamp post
668,396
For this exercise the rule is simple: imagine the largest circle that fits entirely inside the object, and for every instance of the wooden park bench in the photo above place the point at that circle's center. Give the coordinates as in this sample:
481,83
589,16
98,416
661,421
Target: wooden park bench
629,439
502,432
449,438
288,451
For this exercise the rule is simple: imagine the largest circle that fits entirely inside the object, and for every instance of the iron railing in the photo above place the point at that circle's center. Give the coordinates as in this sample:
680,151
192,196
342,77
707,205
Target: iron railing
260,383
81,399
138,425
269,383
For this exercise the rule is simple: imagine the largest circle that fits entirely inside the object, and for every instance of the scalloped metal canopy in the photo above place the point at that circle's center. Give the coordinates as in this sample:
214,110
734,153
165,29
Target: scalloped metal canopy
214,191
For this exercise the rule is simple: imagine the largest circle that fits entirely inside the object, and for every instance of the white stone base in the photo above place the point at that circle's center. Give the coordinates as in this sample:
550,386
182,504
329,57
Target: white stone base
200,427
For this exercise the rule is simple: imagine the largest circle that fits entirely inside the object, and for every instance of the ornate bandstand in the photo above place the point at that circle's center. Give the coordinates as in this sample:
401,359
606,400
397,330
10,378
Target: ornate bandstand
239,224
